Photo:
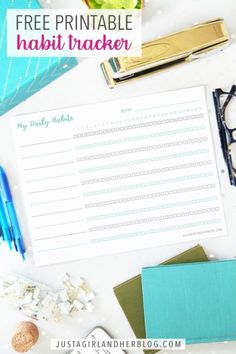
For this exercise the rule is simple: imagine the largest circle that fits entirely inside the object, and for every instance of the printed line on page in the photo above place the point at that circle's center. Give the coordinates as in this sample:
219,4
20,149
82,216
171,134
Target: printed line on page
57,236
46,154
166,105
48,166
56,212
63,223
50,177
45,142
53,189
55,201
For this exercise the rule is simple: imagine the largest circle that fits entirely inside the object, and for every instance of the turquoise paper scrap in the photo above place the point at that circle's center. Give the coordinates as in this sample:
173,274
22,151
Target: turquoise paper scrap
192,301
22,77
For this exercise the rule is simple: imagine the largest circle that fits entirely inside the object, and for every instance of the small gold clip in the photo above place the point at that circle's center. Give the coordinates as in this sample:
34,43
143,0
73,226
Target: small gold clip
186,45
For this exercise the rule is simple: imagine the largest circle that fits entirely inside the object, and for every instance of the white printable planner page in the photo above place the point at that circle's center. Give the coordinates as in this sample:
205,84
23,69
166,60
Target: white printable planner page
119,176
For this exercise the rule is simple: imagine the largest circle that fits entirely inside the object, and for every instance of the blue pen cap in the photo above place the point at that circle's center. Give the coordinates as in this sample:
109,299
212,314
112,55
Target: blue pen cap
19,245
4,185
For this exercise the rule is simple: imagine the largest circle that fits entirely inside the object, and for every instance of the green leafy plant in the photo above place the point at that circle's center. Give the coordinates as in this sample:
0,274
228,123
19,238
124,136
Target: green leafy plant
115,4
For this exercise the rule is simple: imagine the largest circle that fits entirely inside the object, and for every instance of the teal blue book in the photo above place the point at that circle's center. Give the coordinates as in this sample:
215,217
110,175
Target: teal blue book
195,301
21,77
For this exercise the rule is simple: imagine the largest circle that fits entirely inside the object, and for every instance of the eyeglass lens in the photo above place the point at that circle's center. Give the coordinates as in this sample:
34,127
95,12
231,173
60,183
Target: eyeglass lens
229,117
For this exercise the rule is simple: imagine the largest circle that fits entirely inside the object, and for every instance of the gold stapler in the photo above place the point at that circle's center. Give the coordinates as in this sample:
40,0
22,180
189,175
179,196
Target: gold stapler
186,45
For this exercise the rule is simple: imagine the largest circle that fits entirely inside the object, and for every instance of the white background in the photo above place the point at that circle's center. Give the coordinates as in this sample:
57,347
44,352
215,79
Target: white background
85,84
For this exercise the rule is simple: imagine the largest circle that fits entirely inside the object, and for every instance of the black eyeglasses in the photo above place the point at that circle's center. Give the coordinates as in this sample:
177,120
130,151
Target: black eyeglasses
225,106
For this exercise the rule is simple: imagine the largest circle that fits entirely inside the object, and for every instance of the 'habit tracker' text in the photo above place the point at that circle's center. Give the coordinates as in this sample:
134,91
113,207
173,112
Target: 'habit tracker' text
58,43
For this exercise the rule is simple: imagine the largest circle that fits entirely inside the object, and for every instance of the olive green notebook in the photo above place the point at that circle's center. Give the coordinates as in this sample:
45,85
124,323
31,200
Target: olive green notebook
129,293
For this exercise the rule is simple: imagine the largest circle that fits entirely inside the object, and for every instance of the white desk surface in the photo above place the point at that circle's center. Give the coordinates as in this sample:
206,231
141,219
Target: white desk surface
85,84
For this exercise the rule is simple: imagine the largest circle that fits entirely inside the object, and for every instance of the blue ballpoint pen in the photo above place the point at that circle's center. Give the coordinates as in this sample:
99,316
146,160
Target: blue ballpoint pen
4,224
1,229
8,202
